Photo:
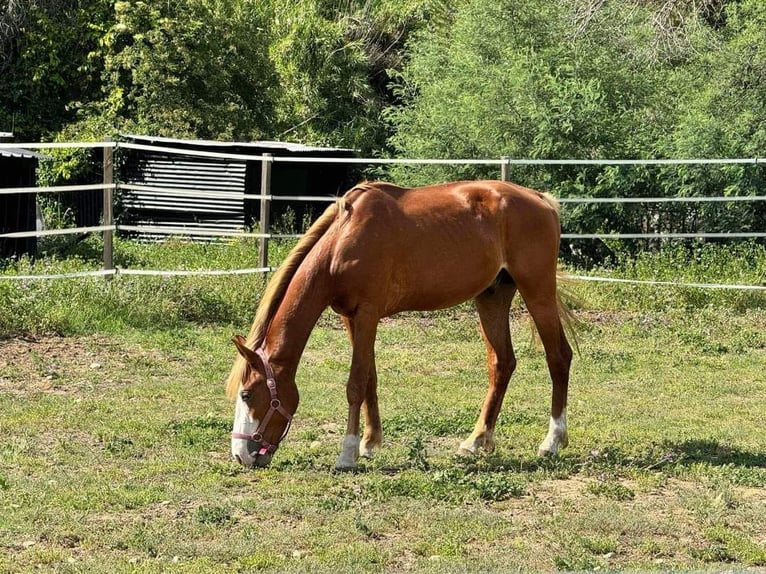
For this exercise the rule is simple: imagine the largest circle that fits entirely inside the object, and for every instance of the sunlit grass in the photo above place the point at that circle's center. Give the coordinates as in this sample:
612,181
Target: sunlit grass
115,436
125,465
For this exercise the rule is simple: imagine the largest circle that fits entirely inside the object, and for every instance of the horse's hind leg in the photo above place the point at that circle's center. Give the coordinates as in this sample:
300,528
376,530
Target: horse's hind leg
493,306
542,303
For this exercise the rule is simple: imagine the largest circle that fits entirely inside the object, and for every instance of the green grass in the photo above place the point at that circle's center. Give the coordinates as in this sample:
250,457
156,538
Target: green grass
114,450
125,466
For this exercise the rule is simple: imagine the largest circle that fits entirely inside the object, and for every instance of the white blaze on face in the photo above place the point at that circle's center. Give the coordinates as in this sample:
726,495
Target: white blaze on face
243,423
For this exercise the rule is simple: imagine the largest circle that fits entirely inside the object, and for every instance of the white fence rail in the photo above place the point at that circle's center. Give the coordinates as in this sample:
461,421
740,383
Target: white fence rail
109,188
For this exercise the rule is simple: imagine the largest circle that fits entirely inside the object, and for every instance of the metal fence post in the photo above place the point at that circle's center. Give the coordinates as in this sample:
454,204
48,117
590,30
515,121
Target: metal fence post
263,255
505,168
108,204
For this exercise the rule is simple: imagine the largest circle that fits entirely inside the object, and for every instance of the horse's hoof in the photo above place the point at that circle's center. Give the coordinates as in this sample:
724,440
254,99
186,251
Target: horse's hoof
545,453
367,449
345,468
466,449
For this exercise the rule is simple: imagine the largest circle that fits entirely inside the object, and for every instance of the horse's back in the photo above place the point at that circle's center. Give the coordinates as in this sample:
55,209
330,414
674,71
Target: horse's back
473,205
435,246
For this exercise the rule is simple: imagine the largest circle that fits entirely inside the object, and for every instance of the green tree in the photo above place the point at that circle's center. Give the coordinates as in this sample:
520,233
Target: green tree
196,68
48,63
726,117
334,59
534,79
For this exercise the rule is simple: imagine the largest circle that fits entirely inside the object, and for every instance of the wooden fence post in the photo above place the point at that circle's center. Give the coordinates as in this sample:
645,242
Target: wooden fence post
505,168
263,255
108,205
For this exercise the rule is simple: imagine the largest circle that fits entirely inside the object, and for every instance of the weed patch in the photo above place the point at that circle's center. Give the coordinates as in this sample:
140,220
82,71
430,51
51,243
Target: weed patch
610,488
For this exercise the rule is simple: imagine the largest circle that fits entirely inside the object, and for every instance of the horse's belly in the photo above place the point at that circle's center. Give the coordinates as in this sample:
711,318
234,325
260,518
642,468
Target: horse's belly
442,286
419,264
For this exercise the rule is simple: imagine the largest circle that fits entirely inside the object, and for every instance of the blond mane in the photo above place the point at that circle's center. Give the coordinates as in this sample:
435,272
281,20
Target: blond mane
276,289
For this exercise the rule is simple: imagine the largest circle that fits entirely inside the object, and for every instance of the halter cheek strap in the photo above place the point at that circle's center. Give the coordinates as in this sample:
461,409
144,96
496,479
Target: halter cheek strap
275,406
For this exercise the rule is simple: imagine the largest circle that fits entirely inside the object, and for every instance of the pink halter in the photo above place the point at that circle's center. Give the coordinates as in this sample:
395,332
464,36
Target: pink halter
275,406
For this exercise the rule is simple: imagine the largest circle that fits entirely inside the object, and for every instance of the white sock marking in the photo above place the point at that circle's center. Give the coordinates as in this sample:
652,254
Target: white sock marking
557,434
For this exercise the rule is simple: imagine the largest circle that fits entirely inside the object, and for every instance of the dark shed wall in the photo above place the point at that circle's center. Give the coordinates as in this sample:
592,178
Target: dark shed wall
298,179
219,177
18,210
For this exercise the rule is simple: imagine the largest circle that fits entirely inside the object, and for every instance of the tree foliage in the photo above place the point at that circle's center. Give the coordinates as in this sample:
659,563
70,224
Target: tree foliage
584,79
309,70
420,78
195,69
47,67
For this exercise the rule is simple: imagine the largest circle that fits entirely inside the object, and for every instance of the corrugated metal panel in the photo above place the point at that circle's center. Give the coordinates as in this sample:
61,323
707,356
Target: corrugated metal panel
20,153
187,192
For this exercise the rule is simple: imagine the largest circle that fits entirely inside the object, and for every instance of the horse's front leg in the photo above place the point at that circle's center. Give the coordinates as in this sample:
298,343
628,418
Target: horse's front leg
373,431
362,367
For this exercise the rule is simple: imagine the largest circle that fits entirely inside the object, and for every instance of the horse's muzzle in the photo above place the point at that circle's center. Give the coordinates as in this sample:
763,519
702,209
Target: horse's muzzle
255,460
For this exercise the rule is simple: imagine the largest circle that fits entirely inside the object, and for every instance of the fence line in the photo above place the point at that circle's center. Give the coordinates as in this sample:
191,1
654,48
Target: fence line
228,272
665,283
73,275
200,231
145,272
703,235
59,145
212,233
108,187
192,193
392,161
56,188
191,152
64,231
699,161
192,272
188,192
677,199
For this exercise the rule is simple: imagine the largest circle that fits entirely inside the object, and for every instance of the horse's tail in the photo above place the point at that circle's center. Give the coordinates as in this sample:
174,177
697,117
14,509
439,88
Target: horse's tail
277,287
551,201
569,321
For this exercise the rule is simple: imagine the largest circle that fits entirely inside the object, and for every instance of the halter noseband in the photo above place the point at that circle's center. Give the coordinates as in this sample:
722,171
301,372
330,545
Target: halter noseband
275,406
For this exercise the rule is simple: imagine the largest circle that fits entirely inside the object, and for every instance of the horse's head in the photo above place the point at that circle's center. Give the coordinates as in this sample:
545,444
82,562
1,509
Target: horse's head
263,415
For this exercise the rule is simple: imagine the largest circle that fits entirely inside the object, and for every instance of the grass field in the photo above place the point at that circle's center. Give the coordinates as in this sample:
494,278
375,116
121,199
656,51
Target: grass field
114,448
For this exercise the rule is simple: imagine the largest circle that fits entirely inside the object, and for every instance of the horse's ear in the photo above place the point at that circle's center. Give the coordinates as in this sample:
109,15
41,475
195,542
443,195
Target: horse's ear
247,353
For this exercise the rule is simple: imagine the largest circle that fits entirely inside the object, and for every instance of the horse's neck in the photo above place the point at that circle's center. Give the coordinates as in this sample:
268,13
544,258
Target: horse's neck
307,296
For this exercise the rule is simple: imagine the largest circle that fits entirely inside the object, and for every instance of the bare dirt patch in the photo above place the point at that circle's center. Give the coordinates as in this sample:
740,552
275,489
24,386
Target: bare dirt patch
65,364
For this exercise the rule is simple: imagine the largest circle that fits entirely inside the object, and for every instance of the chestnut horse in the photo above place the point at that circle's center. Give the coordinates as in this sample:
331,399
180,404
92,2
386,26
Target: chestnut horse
382,249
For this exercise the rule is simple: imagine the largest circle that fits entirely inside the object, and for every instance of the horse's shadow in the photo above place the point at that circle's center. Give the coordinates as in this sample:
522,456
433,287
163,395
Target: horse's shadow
664,455
715,453
657,456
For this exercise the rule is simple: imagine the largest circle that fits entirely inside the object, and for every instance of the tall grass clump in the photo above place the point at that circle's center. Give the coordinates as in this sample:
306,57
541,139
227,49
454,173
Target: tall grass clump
78,305
68,306
680,262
